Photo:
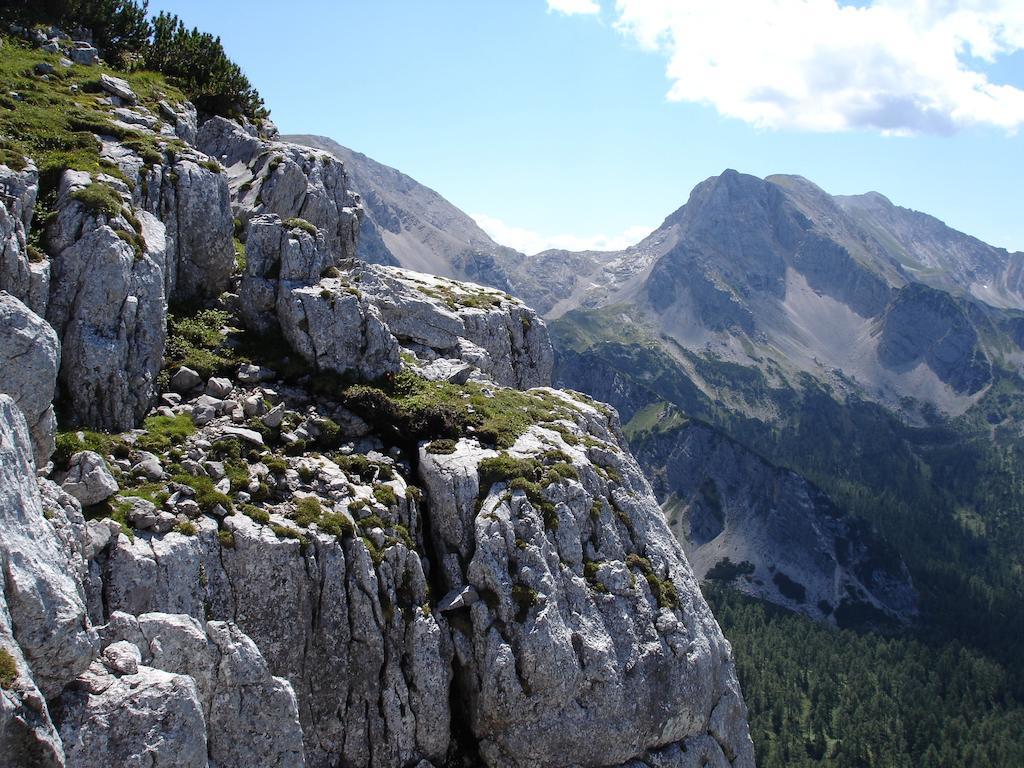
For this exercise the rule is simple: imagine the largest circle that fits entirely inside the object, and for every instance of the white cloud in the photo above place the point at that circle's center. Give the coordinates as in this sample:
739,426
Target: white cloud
530,242
571,7
895,66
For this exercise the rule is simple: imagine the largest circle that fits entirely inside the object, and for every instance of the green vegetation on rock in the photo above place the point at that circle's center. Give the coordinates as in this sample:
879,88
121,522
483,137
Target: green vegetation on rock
206,495
301,224
163,432
195,61
8,669
409,408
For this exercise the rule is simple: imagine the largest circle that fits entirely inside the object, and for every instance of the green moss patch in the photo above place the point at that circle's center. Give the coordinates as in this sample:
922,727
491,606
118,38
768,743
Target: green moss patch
664,590
8,669
301,224
408,407
163,432
206,495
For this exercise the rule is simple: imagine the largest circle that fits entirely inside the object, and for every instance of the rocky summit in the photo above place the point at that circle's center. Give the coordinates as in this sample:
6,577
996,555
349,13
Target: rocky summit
265,504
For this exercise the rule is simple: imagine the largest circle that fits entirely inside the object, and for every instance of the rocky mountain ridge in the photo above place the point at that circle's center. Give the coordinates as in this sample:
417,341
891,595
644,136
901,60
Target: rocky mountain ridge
320,512
407,224
777,276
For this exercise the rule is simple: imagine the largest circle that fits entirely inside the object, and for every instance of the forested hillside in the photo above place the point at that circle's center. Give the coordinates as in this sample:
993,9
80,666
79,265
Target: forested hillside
837,697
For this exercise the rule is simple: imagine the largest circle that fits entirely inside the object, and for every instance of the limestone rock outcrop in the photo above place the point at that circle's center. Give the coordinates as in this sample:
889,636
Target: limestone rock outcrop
107,301
590,639
29,360
24,272
338,330
350,317
248,716
43,600
440,318
116,714
279,256
287,179
186,191
28,736
366,660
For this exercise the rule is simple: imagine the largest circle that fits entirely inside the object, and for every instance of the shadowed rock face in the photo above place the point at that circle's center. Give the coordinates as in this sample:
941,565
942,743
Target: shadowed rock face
747,522
770,533
924,325
938,255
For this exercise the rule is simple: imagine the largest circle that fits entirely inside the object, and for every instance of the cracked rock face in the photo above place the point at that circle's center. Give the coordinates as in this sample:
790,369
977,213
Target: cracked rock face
20,274
358,321
441,318
278,257
250,717
191,199
325,320
338,331
146,717
43,599
28,736
29,358
287,179
108,306
590,642
366,662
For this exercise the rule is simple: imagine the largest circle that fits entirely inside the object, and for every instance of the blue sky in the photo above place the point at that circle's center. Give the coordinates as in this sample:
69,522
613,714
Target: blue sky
587,128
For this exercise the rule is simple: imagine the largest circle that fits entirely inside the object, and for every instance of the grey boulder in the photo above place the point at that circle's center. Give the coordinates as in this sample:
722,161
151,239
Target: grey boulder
447,319
88,478
84,53
251,717
118,87
148,717
338,331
